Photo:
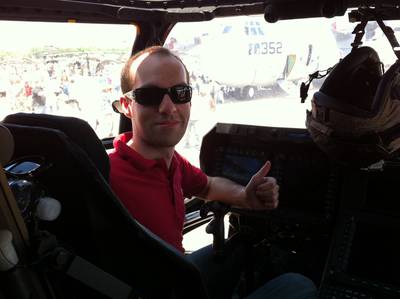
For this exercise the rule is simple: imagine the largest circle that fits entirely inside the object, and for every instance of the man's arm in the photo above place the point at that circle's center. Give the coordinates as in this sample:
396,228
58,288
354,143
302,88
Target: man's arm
260,193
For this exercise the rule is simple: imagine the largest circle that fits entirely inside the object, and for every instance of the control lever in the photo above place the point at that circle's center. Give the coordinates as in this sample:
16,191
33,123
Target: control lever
216,226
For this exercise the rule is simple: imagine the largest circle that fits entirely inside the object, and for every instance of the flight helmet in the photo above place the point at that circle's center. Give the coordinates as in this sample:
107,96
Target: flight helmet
355,116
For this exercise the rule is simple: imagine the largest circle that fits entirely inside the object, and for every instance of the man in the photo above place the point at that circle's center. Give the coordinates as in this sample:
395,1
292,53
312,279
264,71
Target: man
147,174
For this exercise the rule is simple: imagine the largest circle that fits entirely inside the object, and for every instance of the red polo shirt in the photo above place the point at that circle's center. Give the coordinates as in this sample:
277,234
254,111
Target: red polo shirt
152,193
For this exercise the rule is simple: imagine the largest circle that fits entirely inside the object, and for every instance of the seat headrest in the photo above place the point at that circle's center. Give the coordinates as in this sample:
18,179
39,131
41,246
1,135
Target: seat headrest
7,145
78,130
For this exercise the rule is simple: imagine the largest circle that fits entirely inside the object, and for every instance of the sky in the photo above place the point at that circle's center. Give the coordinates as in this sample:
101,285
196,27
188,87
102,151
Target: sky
21,36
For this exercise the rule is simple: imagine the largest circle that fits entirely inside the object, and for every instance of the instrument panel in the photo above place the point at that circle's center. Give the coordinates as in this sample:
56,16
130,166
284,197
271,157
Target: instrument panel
297,233
337,225
308,181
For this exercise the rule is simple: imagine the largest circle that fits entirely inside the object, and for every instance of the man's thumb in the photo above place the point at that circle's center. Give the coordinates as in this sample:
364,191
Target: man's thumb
264,170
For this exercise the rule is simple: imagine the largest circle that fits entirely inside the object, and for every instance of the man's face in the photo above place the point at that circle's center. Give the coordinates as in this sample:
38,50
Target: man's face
163,125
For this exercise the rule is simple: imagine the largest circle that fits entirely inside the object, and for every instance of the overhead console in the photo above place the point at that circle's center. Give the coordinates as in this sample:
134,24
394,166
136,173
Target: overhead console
300,229
276,10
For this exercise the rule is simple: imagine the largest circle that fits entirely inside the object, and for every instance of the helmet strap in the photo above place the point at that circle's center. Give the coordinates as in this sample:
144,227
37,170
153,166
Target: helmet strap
368,14
305,86
359,31
389,33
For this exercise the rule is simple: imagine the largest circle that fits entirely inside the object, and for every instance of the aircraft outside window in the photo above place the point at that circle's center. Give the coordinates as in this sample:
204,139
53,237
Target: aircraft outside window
257,81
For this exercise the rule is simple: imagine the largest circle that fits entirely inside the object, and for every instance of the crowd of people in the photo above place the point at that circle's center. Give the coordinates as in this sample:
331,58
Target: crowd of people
70,86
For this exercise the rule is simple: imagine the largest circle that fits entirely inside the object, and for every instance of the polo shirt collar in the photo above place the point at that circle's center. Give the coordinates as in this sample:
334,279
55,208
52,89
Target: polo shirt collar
137,160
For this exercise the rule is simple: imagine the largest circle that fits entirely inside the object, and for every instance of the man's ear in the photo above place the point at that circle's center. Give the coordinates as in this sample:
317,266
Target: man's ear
126,108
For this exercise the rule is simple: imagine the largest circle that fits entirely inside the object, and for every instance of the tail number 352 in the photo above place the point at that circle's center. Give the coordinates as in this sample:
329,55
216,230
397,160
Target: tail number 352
265,48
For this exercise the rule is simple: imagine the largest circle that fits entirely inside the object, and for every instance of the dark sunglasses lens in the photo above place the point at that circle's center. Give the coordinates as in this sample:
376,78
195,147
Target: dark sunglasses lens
149,96
153,96
181,94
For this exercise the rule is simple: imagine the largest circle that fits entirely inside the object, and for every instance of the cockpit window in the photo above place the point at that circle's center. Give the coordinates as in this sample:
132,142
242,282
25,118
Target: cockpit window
68,69
244,70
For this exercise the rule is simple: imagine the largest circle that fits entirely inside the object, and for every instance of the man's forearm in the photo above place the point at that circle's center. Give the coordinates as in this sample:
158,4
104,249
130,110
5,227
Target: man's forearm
260,193
226,191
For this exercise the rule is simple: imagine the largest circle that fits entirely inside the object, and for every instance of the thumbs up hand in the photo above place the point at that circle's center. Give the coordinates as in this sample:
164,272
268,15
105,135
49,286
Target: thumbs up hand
262,192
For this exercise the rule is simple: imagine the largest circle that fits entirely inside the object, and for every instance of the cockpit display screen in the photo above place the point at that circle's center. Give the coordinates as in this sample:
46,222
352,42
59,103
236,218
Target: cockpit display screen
240,168
375,253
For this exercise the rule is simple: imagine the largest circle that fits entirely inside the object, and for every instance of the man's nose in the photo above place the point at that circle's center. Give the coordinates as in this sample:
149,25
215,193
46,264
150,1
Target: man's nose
166,105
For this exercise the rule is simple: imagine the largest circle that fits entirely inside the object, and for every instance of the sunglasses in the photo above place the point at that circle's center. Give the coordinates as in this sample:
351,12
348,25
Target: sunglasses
153,96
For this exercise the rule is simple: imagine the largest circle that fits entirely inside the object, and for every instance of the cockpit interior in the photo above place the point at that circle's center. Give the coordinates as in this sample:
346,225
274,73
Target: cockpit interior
65,234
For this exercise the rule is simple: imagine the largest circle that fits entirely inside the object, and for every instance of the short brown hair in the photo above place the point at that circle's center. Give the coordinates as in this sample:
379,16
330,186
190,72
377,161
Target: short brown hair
127,80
